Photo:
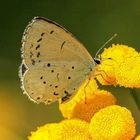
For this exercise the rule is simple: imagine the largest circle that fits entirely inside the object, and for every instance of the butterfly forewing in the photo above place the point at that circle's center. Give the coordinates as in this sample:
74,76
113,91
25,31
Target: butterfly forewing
56,63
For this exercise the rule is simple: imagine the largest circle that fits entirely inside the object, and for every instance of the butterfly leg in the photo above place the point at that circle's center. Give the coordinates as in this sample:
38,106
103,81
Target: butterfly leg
100,74
85,88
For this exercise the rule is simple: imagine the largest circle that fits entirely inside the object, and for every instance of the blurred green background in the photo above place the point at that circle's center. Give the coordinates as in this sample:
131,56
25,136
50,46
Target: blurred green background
91,21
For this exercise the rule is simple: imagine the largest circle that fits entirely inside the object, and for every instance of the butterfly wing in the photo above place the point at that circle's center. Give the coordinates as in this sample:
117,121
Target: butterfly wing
54,63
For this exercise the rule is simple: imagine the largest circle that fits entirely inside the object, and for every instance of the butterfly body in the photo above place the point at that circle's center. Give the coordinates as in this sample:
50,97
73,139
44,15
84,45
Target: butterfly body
54,63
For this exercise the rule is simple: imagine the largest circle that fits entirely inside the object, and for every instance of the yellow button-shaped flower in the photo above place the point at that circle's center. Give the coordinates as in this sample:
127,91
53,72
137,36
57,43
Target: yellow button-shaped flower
65,130
46,132
112,123
74,129
120,66
128,73
87,102
94,103
86,90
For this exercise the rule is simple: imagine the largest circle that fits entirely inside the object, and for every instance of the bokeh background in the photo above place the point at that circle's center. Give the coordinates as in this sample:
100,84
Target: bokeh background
91,21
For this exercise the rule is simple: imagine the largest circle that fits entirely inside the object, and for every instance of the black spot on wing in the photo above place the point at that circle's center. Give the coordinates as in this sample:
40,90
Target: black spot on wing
62,45
41,77
51,32
42,34
38,46
48,101
57,76
69,77
55,93
52,70
38,54
39,40
31,54
72,67
33,61
48,64
66,96
23,69
38,98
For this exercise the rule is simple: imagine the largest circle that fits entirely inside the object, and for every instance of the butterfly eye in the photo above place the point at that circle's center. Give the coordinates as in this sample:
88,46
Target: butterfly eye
97,61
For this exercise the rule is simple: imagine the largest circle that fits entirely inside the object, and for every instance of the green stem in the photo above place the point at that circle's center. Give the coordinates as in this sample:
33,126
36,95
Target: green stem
135,97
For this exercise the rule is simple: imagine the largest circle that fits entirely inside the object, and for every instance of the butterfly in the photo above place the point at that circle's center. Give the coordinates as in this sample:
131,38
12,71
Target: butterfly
54,62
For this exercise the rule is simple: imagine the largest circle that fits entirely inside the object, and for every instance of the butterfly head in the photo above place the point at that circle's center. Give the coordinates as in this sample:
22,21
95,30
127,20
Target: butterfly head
97,61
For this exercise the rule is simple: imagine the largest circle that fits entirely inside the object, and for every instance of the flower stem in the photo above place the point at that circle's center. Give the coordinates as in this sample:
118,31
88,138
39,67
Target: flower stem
135,97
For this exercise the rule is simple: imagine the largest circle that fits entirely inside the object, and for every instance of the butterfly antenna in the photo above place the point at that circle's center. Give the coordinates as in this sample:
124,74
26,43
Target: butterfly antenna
105,44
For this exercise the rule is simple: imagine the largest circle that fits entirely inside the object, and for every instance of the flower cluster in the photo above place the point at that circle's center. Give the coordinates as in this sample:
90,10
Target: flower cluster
111,123
93,114
85,105
120,66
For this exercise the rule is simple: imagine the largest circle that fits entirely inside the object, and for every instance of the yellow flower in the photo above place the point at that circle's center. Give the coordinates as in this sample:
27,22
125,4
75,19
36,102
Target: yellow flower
97,101
65,130
137,138
74,130
112,123
45,132
94,103
92,113
86,90
128,74
84,108
122,69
